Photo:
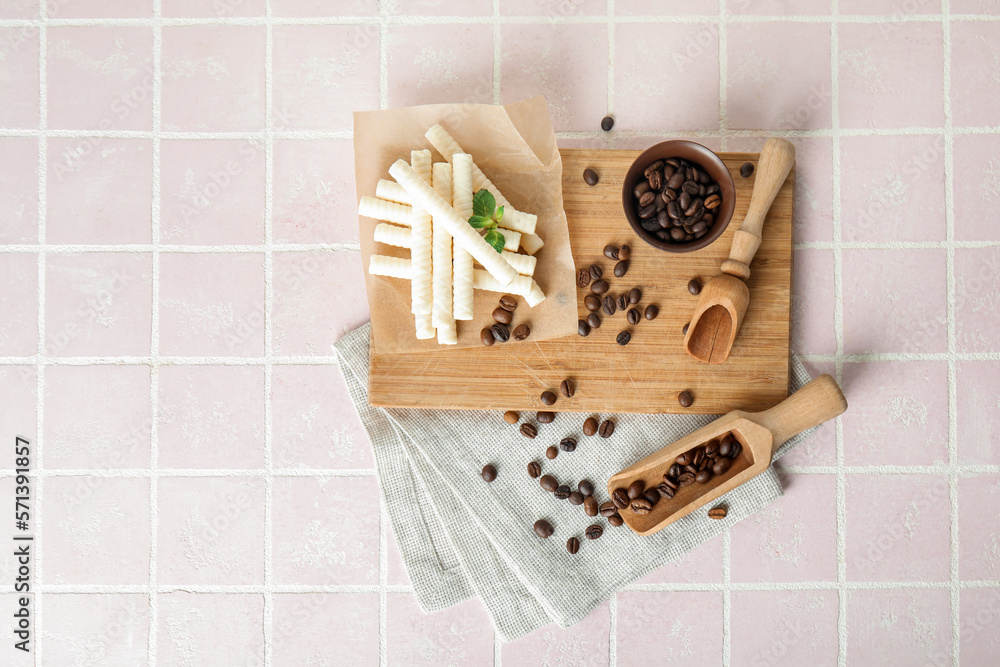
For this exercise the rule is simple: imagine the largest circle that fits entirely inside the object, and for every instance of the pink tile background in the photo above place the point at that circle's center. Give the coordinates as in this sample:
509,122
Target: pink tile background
188,246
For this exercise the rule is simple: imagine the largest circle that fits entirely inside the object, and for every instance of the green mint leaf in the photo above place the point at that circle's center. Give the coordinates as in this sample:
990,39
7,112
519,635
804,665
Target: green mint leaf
499,215
480,222
483,204
495,239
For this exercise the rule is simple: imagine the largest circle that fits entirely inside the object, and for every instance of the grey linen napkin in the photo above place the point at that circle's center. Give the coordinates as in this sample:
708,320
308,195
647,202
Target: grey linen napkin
461,537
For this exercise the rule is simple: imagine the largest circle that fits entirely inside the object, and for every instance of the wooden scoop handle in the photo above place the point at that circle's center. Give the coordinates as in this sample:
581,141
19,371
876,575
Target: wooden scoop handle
776,160
813,404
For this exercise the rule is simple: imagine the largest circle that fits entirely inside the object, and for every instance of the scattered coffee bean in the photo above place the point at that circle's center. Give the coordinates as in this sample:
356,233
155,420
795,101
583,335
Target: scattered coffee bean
543,528
502,316
703,476
562,492
642,506
635,489
746,169
589,426
622,302
717,513
620,498
652,310
623,338
594,320
568,388
551,452
621,268
534,470
607,428
572,545
607,123
608,305
686,399
625,251
511,417
549,483
582,328
548,398
633,316
590,177
590,506
582,278
545,417
721,466
694,286
684,329
567,444
594,531
592,302
500,333
528,430
508,302
595,272
616,520
611,251
575,498
486,336
521,332
489,472
607,509
599,287
634,295
585,487
652,495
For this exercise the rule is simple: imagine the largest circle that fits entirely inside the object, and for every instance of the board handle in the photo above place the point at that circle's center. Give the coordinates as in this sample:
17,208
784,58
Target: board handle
819,401
776,160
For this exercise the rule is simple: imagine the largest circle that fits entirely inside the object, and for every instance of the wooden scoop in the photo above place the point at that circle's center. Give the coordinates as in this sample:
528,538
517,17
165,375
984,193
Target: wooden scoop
760,434
724,300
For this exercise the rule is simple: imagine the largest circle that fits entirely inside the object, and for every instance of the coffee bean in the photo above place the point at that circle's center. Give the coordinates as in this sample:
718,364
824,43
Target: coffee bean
746,169
646,199
511,417
582,328
671,480
528,430
607,509
668,195
568,388
686,399
652,310
521,332
502,316
548,398
585,487
636,488
642,506
551,452
684,199
712,448
582,278
567,444
500,333
616,520
634,295
691,469
677,234
699,456
684,329
607,123
594,320
595,272
685,458
590,426
703,476
592,302
725,447
622,302
599,287
543,528
508,302
712,201
623,338
735,450
621,268
608,305
575,498
717,513
665,490
633,316
590,506
652,495
534,470
594,531
562,492
611,251
572,545
656,166
655,180
590,177
486,336
685,479
545,417
721,466
549,483
625,251
489,472
607,428
694,286
674,470
620,498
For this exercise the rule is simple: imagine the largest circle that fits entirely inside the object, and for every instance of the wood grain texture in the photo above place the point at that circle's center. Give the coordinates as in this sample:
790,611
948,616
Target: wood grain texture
647,374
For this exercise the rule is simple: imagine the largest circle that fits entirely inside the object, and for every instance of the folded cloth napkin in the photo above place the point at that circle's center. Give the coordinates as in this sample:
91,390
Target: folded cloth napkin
460,536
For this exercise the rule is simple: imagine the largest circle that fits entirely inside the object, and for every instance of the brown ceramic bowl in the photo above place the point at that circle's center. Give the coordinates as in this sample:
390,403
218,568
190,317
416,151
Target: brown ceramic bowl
706,160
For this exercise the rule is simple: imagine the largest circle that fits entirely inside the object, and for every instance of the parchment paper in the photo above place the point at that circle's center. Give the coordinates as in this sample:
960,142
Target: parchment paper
515,146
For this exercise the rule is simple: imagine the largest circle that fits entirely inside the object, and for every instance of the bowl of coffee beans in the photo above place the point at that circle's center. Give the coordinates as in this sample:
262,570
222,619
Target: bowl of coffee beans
678,196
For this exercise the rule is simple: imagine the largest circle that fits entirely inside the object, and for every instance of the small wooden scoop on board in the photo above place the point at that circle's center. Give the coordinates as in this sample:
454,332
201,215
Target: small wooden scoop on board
759,433
724,301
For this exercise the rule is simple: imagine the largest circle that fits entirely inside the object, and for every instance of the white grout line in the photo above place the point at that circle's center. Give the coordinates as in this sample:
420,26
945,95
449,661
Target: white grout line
43,119
610,138
497,37
268,335
613,630
383,516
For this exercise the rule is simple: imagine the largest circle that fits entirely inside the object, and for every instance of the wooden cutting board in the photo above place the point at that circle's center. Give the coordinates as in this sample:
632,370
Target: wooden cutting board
647,374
